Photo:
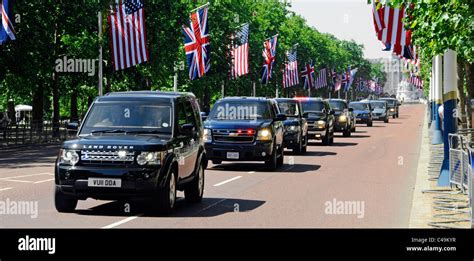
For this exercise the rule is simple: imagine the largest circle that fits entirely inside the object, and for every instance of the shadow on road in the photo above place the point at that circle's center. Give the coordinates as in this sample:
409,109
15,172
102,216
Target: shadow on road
318,153
246,167
28,156
209,207
344,144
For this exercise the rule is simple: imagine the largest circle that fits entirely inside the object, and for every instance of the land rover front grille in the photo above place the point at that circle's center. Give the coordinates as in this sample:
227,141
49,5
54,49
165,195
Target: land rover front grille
99,156
233,136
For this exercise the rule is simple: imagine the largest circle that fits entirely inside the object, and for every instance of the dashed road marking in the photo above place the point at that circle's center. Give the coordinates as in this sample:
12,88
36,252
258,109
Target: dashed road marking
226,181
121,222
4,189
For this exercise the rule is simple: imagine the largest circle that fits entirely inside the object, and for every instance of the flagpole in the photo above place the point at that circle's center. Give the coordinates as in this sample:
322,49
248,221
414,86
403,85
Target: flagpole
272,37
101,75
202,6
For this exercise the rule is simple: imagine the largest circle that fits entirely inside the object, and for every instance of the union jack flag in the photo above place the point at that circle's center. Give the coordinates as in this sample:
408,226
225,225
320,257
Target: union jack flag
290,76
197,44
269,54
6,30
308,75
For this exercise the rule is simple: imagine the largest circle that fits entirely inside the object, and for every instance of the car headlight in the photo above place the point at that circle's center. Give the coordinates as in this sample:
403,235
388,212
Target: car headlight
392,109
207,135
264,134
150,158
70,157
293,128
342,118
321,124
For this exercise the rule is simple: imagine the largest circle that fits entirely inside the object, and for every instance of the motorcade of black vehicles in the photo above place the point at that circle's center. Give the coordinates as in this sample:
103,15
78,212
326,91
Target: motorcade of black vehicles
344,119
379,110
296,127
393,105
134,145
320,119
245,129
362,112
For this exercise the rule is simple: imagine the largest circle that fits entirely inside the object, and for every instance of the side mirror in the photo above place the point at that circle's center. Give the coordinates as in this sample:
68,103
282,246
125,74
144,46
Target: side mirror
351,109
280,117
187,129
203,116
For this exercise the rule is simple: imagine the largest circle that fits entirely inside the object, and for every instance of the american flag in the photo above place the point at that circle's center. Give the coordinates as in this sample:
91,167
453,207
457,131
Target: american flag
321,81
408,53
269,54
389,25
128,33
416,81
290,75
240,52
7,30
308,75
197,44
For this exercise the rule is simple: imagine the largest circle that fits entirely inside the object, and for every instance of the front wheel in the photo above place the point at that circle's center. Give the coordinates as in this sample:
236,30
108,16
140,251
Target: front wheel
386,120
299,147
194,191
305,146
346,133
165,199
64,203
370,124
272,163
394,116
281,159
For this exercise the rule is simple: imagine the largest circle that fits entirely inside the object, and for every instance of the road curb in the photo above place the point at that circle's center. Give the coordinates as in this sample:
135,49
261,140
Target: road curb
420,213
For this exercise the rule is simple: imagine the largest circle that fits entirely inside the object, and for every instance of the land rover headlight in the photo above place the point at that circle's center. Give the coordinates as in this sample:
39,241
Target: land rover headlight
264,134
149,158
207,135
342,118
292,128
70,157
392,109
321,124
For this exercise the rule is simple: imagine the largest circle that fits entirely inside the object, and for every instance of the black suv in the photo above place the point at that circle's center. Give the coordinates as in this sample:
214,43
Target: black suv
345,121
245,129
296,126
320,119
393,106
134,145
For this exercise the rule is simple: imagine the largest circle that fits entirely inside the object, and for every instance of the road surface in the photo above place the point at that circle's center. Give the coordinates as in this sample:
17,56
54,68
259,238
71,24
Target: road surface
366,180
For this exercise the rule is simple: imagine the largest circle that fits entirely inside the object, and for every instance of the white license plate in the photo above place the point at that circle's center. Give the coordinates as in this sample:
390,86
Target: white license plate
104,183
232,155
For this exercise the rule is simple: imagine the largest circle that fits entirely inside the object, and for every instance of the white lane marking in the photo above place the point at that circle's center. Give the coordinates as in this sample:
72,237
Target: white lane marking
4,189
41,181
251,172
14,180
121,222
29,175
226,181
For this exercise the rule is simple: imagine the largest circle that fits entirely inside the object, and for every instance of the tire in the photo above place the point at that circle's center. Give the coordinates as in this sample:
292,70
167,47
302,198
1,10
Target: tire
331,140
353,129
305,145
281,159
216,162
64,203
370,124
346,133
386,120
165,199
299,147
394,116
326,140
195,190
272,163
397,115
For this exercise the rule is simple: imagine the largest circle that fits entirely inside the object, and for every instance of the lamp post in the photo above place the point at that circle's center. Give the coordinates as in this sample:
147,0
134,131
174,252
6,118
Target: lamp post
178,66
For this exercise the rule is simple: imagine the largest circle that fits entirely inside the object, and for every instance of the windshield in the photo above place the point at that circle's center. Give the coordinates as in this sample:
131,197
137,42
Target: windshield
391,102
359,106
289,108
314,106
378,105
240,110
337,105
129,117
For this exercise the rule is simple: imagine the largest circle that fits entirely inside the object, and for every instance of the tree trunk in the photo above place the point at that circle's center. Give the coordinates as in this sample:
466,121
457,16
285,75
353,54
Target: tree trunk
470,90
462,95
38,104
55,89
74,112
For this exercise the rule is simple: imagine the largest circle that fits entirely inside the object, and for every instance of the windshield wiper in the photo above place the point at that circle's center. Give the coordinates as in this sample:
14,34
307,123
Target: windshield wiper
108,131
148,132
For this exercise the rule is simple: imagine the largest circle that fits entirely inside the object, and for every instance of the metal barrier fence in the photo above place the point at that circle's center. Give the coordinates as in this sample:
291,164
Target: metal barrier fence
35,132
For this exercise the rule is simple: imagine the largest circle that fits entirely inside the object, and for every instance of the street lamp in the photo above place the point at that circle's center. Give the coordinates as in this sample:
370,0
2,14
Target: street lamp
178,66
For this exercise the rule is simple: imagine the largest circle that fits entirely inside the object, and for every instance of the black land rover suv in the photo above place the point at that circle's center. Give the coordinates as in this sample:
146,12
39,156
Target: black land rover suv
245,129
134,145
296,127
344,119
320,119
